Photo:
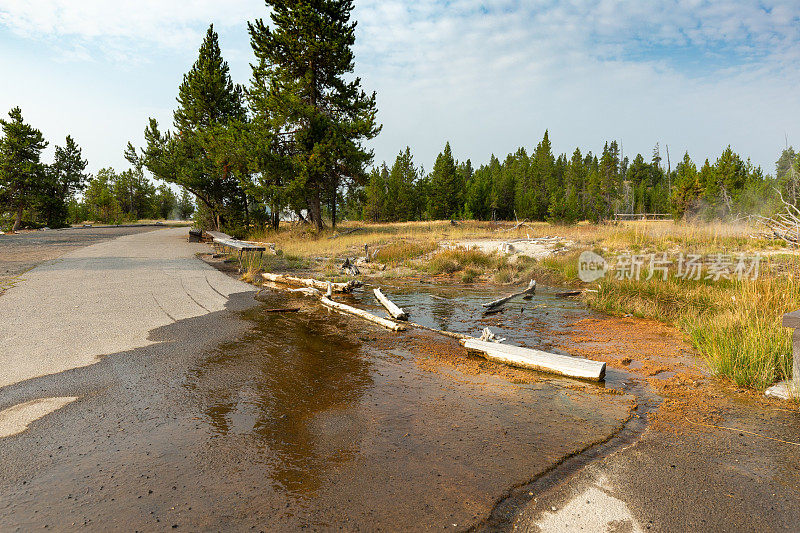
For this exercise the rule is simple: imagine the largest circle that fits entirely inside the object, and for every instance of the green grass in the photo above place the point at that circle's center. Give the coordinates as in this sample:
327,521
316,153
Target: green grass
397,253
734,325
456,260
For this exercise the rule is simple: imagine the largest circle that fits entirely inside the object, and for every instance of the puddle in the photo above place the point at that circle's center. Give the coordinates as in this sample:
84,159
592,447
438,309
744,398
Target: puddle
459,309
343,431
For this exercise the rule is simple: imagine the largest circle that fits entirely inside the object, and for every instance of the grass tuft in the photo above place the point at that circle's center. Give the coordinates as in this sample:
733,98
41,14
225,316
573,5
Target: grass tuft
398,253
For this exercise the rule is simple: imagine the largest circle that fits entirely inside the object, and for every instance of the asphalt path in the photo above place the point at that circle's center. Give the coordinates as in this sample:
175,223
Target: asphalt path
105,298
20,252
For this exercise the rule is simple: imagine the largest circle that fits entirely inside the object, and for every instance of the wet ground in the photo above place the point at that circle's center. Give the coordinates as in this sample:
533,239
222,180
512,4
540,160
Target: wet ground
307,419
248,420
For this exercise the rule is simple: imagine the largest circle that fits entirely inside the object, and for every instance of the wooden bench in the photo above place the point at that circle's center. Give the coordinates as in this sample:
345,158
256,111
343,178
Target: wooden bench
223,242
790,388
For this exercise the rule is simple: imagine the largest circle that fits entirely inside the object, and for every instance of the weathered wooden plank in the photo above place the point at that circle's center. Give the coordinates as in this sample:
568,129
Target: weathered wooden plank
223,239
361,314
564,365
396,312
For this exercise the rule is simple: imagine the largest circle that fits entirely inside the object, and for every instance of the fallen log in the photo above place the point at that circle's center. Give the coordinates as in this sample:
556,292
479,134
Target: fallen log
327,302
308,282
567,294
529,291
563,365
489,336
441,331
345,232
396,312
308,291
282,310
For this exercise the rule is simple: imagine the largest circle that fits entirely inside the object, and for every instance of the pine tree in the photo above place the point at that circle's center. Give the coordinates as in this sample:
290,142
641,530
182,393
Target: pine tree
208,103
300,96
66,177
400,188
185,205
544,178
101,203
165,201
21,170
727,181
787,172
507,177
375,195
445,186
686,189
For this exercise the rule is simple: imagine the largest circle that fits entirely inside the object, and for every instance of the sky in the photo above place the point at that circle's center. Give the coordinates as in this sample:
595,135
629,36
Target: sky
488,77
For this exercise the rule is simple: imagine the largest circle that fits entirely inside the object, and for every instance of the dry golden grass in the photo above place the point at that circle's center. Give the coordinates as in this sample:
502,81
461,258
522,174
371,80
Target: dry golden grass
656,235
735,325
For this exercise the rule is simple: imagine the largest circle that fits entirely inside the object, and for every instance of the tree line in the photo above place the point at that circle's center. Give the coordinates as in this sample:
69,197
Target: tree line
568,188
117,198
30,189
36,194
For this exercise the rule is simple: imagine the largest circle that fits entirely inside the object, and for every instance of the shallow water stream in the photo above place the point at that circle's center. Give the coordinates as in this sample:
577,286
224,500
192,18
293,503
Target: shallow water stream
346,434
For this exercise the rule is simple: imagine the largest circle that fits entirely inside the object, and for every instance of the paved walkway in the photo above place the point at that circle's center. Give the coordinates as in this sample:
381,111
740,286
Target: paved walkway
104,299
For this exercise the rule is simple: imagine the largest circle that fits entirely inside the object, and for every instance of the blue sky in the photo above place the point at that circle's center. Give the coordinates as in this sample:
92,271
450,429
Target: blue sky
487,76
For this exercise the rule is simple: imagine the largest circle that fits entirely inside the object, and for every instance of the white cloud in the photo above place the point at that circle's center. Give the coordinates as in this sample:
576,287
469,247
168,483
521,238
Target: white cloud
694,74
124,23
489,76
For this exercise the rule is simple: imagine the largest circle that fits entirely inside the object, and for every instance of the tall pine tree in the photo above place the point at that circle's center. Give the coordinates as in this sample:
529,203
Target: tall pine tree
21,170
300,95
208,104
66,177
445,186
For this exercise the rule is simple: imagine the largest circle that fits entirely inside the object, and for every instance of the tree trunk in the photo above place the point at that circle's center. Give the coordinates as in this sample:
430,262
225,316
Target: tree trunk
18,220
316,209
275,219
333,210
246,211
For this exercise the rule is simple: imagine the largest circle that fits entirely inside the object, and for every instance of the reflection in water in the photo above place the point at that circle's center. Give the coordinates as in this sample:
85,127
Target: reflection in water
315,430
443,310
453,308
272,384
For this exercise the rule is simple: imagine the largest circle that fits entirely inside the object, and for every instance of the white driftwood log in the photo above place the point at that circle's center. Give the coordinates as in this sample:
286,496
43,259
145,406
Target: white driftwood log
564,365
307,291
528,291
396,312
308,282
327,302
